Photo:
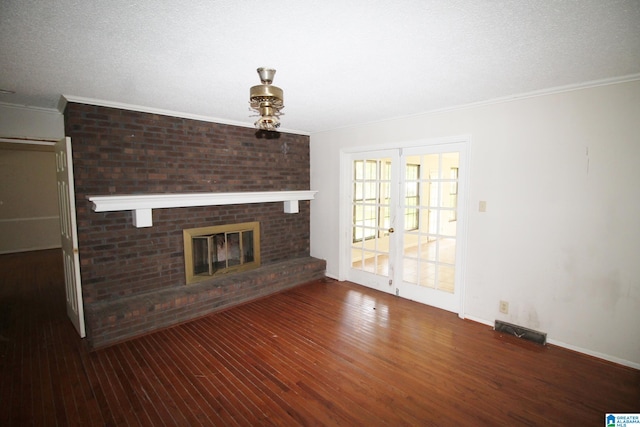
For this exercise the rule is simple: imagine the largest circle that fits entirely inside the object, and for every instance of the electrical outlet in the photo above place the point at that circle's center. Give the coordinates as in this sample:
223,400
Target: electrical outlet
504,307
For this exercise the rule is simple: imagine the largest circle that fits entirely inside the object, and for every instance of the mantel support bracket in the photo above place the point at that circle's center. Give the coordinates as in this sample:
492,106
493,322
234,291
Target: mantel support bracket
142,218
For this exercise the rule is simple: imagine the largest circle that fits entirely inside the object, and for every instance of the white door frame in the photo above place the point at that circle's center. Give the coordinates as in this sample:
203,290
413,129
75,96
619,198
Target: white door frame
344,208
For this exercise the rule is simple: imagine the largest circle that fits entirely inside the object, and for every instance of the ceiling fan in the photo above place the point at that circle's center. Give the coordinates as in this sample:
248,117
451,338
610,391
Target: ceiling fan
267,100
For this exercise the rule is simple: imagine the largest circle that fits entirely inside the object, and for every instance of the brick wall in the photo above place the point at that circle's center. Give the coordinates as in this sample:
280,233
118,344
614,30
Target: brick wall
125,152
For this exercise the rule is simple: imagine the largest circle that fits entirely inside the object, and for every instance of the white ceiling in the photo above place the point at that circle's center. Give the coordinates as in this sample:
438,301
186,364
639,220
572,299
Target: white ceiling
339,62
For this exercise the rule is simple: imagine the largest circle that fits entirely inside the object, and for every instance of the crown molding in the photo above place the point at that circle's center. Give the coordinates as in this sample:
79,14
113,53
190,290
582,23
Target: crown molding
31,108
504,99
543,92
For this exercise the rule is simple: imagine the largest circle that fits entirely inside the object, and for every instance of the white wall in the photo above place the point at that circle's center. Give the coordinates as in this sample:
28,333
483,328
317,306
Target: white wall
28,202
23,122
560,240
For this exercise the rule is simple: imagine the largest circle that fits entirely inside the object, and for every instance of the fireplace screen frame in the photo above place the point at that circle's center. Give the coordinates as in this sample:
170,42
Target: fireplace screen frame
210,240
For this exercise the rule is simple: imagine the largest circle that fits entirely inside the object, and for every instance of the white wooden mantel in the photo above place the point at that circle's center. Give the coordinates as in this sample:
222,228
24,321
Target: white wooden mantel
141,205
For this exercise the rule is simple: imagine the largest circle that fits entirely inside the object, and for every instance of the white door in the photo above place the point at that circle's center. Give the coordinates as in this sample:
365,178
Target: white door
69,236
406,219
372,217
432,222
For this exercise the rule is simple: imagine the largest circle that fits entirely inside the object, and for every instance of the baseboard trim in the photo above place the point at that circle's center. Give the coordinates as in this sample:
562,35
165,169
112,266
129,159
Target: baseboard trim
20,250
595,354
598,355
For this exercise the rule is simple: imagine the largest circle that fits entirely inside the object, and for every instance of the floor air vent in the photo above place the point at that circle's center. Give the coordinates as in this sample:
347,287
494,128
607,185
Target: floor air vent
521,332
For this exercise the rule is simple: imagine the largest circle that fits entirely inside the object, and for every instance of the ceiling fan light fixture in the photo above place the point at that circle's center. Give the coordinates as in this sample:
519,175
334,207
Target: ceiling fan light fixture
266,75
267,100
268,123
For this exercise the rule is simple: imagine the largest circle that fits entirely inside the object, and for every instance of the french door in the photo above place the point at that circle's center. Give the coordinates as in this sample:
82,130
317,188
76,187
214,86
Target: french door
406,221
373,215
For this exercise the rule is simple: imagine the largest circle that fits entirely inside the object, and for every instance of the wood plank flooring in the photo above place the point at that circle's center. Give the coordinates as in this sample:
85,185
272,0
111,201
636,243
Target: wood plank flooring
325,353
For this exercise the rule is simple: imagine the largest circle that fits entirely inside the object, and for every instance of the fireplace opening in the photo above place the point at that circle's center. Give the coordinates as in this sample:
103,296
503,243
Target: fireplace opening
210,251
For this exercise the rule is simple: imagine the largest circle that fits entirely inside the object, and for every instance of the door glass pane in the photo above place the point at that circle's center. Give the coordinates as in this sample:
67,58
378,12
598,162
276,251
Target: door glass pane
446,274
448,196
432,197
412,196
427,275
385,218
370,191
447,251
428,248
447,223
431,165
410,270
368,262
431,224
358,190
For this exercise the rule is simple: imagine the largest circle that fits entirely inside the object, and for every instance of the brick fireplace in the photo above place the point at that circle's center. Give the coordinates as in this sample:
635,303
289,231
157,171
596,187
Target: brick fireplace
134,278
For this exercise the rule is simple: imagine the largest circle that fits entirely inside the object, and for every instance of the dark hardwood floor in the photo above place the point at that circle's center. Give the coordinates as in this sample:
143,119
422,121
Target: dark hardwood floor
325,353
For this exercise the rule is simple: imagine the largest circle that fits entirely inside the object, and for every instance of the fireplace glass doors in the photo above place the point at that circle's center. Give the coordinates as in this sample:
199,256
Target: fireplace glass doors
210,251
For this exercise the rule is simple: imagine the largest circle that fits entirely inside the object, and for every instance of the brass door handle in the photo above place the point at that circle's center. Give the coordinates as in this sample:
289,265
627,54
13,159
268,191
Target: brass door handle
391,230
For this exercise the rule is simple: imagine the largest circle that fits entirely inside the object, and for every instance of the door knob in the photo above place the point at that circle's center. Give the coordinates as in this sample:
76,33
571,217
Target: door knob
391,230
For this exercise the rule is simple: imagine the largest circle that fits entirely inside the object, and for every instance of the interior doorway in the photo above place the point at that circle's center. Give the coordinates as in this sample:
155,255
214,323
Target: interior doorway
28,203
35,220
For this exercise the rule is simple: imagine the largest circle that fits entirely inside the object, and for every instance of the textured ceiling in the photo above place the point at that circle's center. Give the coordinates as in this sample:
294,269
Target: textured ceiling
339,62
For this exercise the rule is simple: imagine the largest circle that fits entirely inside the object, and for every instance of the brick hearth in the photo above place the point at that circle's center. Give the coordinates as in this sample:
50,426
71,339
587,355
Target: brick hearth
120,319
